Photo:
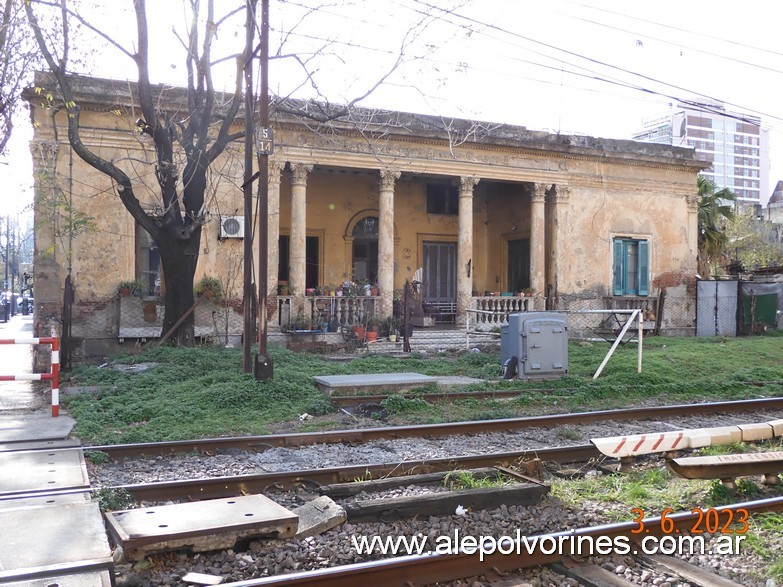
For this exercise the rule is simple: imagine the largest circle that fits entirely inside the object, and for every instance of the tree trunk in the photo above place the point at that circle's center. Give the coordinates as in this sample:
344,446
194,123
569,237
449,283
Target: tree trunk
179,257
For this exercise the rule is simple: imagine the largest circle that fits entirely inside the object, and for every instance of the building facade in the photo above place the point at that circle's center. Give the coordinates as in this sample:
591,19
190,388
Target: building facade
474,211
733,143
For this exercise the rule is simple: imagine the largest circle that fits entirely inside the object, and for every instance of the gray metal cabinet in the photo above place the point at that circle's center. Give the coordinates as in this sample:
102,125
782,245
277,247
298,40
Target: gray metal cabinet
538,341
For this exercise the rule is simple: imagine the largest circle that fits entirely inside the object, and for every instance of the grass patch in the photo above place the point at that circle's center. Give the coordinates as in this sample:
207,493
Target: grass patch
457,480
651,490
202,392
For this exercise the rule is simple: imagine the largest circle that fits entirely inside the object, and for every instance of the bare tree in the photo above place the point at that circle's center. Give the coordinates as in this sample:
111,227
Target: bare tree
17,59
187,143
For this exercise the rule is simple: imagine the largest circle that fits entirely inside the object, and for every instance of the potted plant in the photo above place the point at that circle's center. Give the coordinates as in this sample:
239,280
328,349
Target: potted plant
210,288
528,292
283,289
127,288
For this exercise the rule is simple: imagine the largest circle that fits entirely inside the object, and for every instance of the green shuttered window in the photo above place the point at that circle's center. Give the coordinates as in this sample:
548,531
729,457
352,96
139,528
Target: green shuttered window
631,267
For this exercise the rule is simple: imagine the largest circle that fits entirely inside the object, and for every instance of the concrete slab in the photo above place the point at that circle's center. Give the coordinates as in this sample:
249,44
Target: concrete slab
318,516
449,381
54,537
36,471
86,579
200,526
36,426
40,445
755,432
27,500
371,382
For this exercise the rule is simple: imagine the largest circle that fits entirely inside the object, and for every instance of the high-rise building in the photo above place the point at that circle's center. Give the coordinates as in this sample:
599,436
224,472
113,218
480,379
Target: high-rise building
732,142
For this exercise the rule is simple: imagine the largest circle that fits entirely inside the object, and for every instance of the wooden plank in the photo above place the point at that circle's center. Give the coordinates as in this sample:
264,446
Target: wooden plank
591,575
445,503
728,466
692,573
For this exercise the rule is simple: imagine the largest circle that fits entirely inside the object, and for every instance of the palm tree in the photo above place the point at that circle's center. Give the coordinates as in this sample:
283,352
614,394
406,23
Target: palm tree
715,208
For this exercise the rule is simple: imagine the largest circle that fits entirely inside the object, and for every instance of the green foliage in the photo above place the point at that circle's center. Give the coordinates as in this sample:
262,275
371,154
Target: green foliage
715,210
111,500
202,392
457,480
210,287
97,457
753,242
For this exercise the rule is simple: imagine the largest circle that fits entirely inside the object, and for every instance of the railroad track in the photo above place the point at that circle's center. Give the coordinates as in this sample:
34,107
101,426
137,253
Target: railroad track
427,569
228,486
355,436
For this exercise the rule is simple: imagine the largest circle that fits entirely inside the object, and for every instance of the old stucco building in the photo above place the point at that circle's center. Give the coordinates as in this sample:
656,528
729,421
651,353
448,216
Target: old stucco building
478,208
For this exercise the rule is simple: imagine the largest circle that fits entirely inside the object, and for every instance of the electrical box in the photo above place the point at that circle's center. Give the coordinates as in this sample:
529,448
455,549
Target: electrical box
537,342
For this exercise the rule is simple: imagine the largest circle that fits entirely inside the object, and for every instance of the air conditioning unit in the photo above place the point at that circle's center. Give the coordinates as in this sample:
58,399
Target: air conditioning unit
232,227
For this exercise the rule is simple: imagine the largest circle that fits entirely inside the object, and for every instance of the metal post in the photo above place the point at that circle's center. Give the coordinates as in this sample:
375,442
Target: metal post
263,367
248,293
641,330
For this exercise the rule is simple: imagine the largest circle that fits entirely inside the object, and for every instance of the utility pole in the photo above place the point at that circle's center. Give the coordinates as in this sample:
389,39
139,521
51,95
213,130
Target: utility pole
7,258
13,270
265,144
248,294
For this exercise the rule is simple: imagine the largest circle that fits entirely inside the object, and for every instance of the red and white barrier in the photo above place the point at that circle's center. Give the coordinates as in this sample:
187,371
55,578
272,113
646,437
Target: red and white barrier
655,442
53,375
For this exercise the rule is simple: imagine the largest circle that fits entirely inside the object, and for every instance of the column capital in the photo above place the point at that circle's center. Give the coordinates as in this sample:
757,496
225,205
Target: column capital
299,172
467,183
539,192
275,168
388,177
562,194
693,202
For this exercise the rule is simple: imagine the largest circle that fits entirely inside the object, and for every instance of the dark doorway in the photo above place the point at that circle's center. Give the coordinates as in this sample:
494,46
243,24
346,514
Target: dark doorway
365,250
311,260
440,272
518,264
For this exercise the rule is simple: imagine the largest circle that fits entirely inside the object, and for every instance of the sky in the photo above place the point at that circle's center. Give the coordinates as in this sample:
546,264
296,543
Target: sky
590,67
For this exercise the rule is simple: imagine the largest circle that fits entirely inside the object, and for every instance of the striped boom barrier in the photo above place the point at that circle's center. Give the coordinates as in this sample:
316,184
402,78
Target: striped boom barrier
53,375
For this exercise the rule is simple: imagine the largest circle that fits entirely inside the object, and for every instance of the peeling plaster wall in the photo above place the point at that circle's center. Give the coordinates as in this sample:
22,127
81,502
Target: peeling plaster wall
614,188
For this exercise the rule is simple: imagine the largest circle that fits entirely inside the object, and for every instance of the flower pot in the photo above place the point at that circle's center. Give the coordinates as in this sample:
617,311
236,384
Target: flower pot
358,332
125,292
372,336
392,338
374,291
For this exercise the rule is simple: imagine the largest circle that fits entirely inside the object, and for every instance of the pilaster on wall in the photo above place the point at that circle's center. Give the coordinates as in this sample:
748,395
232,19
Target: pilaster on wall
388,178
297,260
465,247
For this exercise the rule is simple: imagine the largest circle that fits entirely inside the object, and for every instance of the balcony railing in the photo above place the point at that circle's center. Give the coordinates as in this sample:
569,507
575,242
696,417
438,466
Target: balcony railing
319,310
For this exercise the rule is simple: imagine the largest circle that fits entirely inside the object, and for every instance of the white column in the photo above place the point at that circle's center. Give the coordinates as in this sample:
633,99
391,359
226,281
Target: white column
559,233
297,260
537,236
273,236
388,177
465,248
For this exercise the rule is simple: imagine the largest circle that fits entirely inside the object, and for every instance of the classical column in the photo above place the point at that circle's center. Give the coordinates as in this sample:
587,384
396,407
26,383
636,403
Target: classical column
297,260
273,234
558,238
537,236
386,240
465,248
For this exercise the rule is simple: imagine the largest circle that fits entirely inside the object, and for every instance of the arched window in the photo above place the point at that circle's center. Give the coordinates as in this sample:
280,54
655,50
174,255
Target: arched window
365,249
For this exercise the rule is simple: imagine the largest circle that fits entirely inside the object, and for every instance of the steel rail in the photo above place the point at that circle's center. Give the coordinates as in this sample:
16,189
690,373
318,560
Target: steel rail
217,487
435,568
359,435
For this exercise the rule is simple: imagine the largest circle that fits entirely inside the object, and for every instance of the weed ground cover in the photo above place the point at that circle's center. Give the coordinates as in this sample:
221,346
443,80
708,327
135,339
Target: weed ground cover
202,392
